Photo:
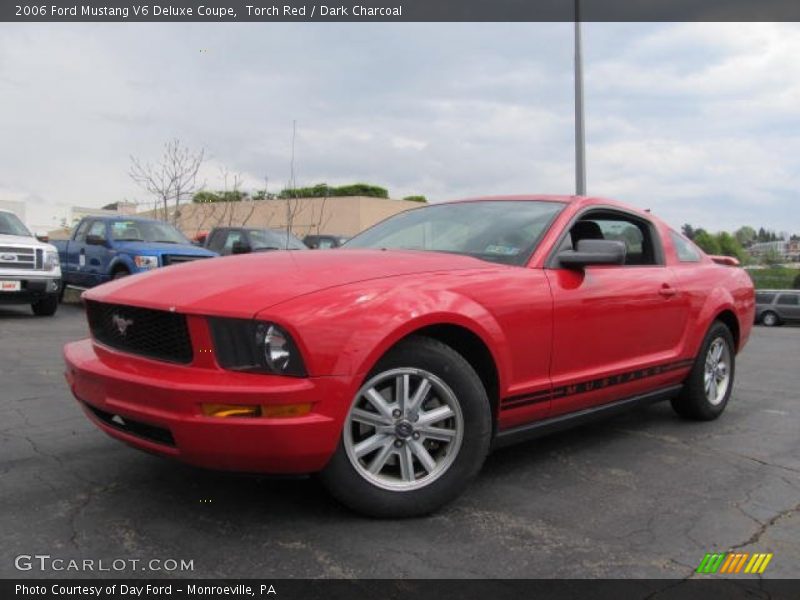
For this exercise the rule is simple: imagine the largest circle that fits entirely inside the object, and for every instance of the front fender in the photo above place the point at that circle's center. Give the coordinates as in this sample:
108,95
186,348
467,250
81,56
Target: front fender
124,260
379,318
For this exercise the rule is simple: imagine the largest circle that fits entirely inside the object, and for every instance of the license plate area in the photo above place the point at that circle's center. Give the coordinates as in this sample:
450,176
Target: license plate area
10,286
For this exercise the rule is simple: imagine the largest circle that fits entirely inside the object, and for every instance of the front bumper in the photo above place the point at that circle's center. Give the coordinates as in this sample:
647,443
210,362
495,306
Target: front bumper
32,288
157,409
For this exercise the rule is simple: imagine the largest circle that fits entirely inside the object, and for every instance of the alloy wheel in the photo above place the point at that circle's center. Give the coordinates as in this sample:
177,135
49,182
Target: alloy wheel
404,429
716,376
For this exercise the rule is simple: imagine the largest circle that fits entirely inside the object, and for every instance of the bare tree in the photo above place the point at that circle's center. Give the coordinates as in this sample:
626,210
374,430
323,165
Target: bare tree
172,178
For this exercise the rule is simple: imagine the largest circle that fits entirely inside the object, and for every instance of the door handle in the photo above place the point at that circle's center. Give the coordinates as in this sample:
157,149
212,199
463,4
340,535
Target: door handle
667,290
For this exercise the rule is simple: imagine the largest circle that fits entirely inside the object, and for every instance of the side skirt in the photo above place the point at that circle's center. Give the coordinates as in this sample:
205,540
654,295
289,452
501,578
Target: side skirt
544,427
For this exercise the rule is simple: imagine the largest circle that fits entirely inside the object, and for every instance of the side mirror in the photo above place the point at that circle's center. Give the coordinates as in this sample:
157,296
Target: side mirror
95,240
594,252
240,248
43,238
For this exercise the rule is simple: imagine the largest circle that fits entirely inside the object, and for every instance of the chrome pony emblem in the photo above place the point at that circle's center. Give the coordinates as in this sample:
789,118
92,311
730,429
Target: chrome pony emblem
121,323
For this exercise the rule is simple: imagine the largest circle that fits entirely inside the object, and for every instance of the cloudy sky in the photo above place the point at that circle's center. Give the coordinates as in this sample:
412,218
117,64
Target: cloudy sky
699,122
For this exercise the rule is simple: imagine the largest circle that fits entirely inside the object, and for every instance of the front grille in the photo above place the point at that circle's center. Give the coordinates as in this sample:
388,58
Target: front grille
23,258
137,428
176,259
157,334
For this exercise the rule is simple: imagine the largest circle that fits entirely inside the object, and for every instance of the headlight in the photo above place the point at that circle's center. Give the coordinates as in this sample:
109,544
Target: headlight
244,345
51,261
146,262
277,347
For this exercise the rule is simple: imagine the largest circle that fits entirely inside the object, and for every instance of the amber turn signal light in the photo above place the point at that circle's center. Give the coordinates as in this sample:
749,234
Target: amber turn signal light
275,411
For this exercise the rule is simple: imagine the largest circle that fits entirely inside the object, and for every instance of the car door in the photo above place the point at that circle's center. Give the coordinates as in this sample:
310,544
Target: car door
616,328
95,256
74,257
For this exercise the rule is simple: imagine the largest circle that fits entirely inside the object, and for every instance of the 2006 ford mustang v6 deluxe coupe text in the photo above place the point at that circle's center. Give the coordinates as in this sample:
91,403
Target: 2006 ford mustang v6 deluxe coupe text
393,365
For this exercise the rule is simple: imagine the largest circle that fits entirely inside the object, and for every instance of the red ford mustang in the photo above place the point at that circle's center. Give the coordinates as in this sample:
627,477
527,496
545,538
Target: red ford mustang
392,366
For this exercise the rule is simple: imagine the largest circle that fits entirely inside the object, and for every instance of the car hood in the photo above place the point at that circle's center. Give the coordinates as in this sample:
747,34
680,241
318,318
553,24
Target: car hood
21,240
150,248
243,285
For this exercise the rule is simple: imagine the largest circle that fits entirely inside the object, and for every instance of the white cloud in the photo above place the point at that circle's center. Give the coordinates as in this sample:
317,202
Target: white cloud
697,121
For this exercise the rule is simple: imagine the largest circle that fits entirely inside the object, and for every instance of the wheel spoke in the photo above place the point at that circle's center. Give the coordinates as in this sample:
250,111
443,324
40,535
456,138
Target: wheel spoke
717,352
401,385
712,392
369,418
379,402
437,433
406,464
423,455
379,460
419,397
440,413
370,444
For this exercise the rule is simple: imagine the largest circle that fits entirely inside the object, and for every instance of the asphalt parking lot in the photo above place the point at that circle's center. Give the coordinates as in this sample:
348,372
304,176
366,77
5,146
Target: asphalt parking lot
642,495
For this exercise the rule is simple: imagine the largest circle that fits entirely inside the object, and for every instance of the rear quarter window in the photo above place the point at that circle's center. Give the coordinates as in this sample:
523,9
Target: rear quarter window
762,298
685,250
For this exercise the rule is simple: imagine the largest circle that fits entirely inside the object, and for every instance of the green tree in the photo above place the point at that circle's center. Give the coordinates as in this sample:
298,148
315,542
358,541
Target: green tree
323,190
688,231
730,246
745,235
205,197
416,198
707,242
796,282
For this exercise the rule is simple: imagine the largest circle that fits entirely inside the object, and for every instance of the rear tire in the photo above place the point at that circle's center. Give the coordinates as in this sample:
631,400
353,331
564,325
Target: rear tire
120,274
770,319
408,458
46,307
708,388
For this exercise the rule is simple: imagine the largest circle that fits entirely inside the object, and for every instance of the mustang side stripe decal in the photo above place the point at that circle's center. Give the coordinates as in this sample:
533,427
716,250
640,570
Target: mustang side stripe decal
594,384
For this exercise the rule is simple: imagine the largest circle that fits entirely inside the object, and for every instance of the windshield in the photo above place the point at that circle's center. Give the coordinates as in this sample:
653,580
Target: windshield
269,238
11,225
504,231
134,230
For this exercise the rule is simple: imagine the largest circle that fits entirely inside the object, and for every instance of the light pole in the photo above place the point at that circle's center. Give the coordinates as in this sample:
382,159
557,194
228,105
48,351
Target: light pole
580,138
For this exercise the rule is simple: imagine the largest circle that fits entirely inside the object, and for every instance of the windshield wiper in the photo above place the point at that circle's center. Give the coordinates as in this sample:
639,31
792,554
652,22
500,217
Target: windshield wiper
165,242
128,239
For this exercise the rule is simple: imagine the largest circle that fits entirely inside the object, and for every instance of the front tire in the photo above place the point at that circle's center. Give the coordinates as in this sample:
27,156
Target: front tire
708,388
46,307
416,434
770,319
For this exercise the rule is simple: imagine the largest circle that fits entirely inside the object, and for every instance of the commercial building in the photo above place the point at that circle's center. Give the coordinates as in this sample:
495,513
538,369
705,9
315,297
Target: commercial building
340,215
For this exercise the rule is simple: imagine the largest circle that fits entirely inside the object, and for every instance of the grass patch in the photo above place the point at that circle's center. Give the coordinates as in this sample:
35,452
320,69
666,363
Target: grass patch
774,278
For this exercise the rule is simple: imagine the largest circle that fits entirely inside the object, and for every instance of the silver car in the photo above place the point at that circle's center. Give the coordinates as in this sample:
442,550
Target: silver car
775,307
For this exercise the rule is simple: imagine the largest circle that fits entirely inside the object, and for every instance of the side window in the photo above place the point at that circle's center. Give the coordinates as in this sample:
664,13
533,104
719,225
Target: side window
233,237
789,300
636,234
684,248
97,228
80,234
216,241
762,298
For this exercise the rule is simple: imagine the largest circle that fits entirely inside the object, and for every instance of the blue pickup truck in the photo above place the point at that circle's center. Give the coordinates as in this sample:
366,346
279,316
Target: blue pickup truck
106,248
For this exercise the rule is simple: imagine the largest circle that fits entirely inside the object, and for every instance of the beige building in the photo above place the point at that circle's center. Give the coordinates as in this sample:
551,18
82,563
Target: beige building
346,215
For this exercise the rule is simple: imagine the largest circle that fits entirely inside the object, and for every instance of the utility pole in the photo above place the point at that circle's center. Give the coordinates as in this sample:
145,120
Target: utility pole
580,138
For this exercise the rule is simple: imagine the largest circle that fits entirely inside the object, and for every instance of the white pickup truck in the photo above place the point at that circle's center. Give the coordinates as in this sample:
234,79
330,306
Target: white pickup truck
30,272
